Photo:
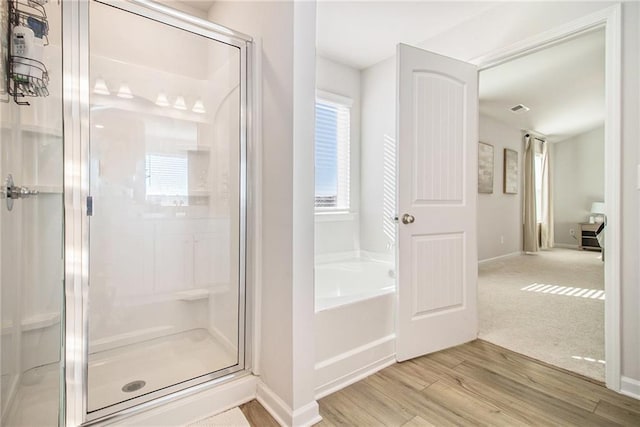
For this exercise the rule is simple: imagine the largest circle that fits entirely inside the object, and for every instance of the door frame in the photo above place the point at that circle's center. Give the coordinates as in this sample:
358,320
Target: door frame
611,20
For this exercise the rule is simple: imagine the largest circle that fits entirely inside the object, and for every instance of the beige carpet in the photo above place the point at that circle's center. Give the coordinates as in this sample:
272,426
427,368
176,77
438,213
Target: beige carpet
549,306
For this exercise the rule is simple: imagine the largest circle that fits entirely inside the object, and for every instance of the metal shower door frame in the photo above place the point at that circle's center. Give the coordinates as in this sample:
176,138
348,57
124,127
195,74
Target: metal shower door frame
76,89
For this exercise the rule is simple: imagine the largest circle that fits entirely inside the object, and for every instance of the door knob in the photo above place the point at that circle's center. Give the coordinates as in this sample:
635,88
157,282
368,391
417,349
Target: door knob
408,219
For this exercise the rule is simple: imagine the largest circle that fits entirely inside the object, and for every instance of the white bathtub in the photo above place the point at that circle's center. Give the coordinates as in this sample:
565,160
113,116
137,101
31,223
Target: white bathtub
354,321
344,282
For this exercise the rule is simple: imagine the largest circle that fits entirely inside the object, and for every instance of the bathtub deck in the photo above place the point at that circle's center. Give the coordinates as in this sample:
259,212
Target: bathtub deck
476,383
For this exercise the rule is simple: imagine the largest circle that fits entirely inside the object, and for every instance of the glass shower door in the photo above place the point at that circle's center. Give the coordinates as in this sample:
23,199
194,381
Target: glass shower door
31,223
166,227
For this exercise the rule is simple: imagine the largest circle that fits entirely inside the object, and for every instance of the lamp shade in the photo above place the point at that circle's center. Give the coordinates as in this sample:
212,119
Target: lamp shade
597,208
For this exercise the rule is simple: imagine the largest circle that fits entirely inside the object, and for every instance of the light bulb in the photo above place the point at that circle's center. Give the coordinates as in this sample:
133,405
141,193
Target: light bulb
198,107
162,100
180,104
125,92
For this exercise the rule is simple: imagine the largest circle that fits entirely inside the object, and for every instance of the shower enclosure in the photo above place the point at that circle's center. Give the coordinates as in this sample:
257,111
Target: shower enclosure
31,214
123,278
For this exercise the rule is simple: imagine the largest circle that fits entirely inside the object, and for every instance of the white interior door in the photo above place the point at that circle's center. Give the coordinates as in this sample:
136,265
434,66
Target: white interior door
437,131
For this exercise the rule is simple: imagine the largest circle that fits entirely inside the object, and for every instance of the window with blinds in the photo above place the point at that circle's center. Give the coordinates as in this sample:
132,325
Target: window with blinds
167,175
332,146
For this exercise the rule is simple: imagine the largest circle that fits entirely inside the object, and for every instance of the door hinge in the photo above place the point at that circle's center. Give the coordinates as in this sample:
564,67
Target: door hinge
89,206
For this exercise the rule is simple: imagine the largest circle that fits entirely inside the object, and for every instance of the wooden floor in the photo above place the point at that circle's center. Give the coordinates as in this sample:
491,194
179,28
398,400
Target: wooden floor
472,384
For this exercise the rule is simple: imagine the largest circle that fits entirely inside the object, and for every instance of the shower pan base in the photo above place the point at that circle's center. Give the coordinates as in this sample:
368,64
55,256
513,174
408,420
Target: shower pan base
159,363
37,399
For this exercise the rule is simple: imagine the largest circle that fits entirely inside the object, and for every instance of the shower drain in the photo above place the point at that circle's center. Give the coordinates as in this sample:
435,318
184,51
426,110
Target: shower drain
133,386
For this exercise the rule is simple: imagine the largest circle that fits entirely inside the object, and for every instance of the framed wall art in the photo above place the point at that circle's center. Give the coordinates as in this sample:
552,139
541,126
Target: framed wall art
485,168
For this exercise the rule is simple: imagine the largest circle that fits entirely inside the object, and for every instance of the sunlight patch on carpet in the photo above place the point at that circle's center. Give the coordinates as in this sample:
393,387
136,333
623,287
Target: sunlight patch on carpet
565,290
589,359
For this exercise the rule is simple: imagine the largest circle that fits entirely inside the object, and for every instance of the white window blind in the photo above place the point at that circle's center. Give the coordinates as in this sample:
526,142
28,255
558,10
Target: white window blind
167,175
332,147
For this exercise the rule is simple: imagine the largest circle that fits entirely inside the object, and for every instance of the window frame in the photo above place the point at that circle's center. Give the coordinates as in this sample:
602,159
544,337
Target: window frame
343,102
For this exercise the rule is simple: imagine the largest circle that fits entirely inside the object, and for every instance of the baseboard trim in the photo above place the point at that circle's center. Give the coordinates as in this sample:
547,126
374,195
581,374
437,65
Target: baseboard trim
509,255
565,246
354,377
351,366
307,415
630,387
279,410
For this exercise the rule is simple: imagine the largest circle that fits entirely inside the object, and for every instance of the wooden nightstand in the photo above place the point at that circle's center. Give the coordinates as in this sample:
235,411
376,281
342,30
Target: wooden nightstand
588,240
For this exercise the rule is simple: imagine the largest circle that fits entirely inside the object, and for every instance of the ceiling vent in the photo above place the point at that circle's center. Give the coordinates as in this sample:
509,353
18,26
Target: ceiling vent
519,109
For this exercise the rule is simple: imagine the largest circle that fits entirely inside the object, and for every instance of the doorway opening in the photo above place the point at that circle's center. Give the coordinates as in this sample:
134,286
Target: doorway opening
541,281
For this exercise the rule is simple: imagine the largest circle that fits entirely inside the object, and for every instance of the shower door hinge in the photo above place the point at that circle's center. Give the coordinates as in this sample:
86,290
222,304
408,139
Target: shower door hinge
89,206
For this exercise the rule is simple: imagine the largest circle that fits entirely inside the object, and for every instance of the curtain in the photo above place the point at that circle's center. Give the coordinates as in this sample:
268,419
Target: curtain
537,200
530,223
546,211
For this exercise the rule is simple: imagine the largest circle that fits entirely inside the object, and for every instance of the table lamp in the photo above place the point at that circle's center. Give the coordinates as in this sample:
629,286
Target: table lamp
597,211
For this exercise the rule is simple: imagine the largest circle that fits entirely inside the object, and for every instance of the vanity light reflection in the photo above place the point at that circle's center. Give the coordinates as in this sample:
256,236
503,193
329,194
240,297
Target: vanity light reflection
101,87
125,91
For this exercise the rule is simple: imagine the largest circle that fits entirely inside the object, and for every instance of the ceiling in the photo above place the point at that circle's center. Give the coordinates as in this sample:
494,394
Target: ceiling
563,85
362,33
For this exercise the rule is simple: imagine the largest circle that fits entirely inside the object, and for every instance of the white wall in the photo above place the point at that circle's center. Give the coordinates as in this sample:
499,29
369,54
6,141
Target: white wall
578,180
499,214
342,234
286,356
630,215
378,126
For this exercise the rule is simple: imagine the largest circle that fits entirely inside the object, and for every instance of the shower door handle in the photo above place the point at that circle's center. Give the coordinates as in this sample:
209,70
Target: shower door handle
408,219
